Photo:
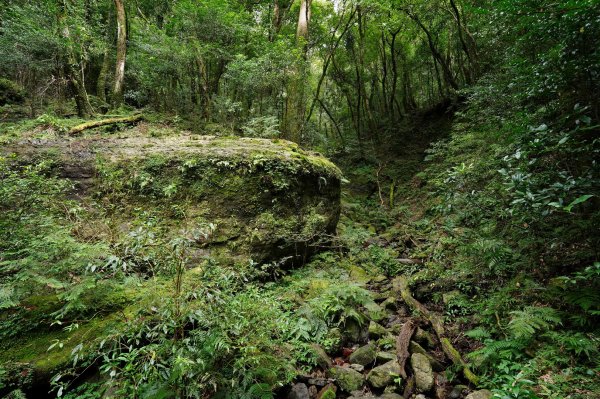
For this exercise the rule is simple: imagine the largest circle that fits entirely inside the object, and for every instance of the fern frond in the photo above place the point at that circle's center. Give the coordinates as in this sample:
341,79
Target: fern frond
532,319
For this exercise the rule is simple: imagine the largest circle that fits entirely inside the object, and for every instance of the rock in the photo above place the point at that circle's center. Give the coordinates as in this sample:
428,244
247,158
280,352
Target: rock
384,357
320,382
328,392
361,395
481,394
268,200
455,393
376,330
323,359
414,347
424,338
384,375
313,391
299,391
390,304
358,367
364,355
420,396
374,311
391,396
347,379
355,332
423,372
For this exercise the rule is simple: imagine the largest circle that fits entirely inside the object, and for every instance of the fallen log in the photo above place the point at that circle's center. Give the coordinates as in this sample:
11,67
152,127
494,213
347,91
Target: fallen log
103,122
400,285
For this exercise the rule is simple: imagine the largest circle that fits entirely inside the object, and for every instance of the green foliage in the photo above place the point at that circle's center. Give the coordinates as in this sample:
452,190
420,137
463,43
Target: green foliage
10,93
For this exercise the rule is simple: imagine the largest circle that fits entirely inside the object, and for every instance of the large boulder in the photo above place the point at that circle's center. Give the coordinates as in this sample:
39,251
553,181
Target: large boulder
263,200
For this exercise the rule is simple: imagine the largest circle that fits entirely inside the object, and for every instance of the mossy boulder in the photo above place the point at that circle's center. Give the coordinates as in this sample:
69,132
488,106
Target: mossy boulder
245,199
346,378
364,355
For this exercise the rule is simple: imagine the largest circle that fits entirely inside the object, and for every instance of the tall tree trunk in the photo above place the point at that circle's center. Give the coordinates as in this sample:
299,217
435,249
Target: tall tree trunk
74,71
117,95
101,82
293,120
435,52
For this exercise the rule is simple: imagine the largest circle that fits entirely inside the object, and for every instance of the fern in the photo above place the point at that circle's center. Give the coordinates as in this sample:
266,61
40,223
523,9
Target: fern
479,334
575,343
531,320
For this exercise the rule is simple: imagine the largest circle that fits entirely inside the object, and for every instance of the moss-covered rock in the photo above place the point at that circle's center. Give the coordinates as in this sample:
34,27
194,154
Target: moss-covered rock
267,201
347,379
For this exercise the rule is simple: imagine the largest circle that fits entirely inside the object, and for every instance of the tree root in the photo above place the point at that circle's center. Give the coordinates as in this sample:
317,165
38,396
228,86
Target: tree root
92,124
400,285
402,343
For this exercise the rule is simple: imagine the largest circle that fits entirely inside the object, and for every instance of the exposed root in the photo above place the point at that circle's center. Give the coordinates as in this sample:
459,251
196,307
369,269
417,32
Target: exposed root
402,343
400,285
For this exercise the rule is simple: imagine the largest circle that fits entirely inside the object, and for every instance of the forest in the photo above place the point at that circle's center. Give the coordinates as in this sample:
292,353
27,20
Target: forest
300,199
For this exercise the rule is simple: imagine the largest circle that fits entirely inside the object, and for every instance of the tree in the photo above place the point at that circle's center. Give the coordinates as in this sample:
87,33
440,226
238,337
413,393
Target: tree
117,95
293,122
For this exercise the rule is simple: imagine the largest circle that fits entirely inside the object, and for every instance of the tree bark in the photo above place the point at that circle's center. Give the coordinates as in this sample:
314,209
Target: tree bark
74,71
296,93
117,95
435,52
110,121
101,82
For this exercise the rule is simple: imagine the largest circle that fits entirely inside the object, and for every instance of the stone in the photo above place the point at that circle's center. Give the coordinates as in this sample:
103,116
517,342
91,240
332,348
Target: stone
374,311
249,188
299,391
364,355
424,338
390,304
391,396
376,330
320,382
358,367
455,393
355,332
481,394
328,392
323,359
423,372
384,375
347,379
414,347
384,357
313,391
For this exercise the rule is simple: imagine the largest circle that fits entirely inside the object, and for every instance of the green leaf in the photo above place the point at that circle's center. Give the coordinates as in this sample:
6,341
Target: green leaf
579,200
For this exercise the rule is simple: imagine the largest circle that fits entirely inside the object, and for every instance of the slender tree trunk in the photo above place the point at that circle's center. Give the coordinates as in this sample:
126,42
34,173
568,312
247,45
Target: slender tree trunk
394,71
74,71
327,61
296,102
435,52
117,95
101,83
